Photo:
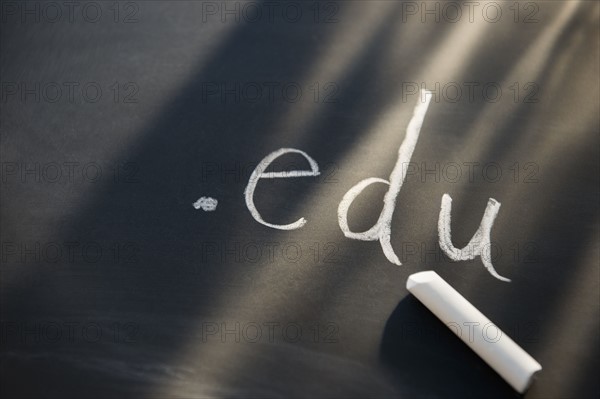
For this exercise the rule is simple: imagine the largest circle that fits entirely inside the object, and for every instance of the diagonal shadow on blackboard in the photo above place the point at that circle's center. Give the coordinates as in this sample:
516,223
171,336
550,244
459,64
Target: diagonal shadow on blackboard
164,291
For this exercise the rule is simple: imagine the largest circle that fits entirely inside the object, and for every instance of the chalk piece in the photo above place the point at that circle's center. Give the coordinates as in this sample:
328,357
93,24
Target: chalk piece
207,204
507,358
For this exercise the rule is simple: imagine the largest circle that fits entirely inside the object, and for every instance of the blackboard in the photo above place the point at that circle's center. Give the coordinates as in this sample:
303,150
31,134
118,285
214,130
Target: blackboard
117,117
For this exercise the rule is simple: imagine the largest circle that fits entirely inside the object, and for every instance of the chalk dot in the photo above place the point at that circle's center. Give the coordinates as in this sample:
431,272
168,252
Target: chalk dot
207,204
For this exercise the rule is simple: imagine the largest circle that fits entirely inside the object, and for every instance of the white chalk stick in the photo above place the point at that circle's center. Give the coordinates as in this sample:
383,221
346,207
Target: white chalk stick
507,358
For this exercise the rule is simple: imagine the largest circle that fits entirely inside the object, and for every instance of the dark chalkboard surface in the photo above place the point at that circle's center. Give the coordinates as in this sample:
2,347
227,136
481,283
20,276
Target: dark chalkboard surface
117,117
